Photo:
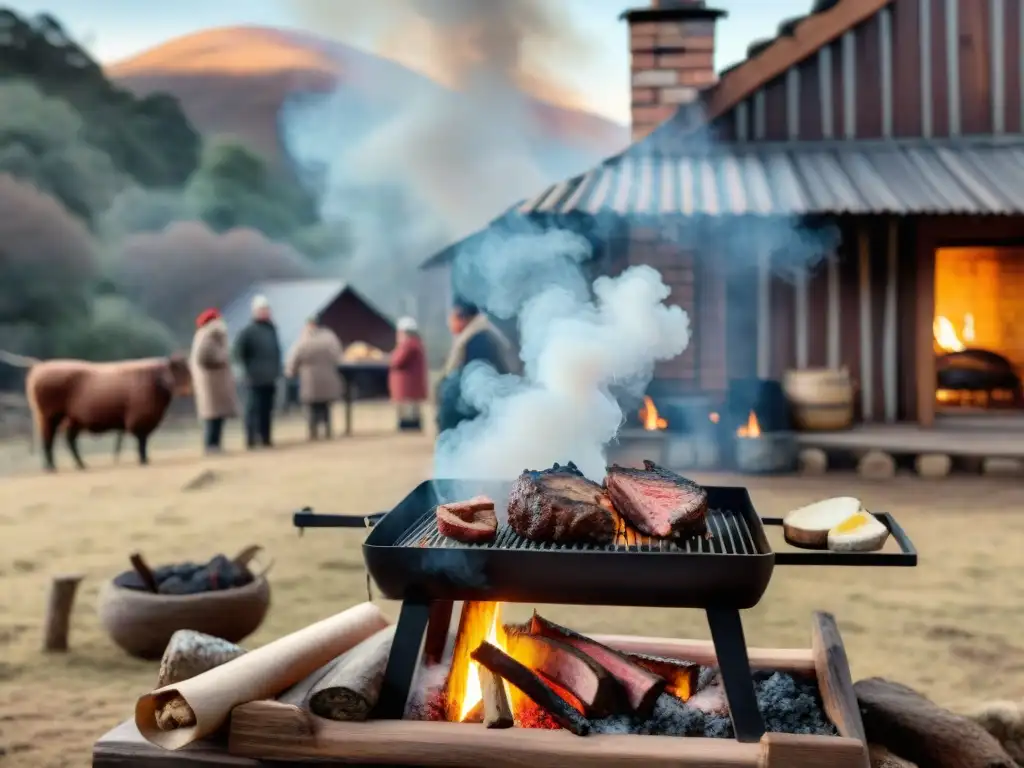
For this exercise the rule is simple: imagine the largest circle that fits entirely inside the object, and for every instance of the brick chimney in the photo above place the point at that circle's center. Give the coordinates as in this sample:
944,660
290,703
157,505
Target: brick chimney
672,46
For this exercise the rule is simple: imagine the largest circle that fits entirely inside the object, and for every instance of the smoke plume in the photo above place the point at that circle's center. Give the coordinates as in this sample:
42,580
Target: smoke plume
584,348
457,156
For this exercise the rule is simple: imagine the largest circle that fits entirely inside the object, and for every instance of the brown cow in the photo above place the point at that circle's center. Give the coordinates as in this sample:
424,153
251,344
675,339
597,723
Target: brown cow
128,396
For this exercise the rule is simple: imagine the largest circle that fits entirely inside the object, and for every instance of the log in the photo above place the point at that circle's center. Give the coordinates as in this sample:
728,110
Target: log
914,728
436,638
350,689
497,710
642,687
190,653
504,666
598,692
58,612
680,675
144,571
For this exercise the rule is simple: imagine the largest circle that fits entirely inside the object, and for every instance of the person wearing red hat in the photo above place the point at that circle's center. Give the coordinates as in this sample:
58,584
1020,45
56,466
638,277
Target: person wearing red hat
213,383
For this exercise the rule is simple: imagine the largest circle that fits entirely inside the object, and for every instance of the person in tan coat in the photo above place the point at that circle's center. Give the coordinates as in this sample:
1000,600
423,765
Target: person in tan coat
314,358
213,383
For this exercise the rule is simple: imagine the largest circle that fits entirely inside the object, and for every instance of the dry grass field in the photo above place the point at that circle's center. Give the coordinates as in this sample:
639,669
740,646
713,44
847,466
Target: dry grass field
954,627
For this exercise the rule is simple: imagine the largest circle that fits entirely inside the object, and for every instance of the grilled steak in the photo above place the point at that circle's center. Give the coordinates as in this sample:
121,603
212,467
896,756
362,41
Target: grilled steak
560,505
471,522
658,502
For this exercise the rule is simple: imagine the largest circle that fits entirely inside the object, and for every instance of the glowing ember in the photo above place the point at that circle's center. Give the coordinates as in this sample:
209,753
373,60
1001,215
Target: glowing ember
714,418
649,416
751,429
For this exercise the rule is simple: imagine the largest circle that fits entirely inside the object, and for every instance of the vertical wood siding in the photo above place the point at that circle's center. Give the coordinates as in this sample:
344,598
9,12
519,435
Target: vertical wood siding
918,68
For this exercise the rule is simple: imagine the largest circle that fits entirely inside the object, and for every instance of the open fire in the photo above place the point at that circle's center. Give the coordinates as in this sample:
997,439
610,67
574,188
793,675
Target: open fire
650,418
967,377
542,675
751,429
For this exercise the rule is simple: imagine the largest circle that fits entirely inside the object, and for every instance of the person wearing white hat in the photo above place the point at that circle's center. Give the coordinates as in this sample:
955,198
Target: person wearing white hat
258,349
407,375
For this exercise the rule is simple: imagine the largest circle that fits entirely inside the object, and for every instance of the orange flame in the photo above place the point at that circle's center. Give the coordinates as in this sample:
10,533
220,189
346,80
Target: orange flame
751,429
649,416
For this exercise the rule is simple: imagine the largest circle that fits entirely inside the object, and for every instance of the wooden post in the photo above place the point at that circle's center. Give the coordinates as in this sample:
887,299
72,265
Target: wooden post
58,611
925,343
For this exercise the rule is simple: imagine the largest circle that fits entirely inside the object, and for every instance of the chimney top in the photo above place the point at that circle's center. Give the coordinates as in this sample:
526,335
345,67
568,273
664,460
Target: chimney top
673,10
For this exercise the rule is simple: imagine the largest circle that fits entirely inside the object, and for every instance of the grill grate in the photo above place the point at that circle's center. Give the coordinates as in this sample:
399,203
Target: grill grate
730,535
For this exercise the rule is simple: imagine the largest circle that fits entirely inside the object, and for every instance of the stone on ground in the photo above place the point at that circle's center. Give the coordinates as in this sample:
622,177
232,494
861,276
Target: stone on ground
876,465
813,461
933,465
997,466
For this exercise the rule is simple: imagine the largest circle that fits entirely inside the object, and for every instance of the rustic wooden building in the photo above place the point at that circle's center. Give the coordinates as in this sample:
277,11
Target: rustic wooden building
895,125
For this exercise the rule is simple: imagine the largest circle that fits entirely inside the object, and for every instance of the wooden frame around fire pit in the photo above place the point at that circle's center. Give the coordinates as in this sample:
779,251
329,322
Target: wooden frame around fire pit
270,730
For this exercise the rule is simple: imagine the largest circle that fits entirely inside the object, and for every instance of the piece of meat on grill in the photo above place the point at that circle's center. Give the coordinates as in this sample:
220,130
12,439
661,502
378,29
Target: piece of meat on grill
562,506
658,502
471,522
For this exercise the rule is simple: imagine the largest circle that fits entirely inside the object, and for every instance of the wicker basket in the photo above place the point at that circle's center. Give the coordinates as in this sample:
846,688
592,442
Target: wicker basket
142,622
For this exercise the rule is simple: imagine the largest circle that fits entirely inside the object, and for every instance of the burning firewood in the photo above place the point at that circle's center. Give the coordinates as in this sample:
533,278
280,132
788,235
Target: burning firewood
578,673
497,710
680,675
642,687
475,625
504,666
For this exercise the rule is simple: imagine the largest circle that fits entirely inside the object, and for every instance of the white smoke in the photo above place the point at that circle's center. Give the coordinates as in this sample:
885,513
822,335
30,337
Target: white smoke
582,351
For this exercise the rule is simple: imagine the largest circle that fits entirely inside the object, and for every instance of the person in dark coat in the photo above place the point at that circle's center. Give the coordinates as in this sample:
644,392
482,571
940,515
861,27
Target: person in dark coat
258,349
407,375
476,339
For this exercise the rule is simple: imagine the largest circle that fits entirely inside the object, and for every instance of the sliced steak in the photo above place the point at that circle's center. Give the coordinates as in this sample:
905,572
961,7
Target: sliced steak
471,522
560,505
658,502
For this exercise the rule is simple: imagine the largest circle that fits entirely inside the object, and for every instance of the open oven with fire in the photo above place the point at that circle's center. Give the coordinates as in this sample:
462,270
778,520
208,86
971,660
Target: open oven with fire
978,329
463,687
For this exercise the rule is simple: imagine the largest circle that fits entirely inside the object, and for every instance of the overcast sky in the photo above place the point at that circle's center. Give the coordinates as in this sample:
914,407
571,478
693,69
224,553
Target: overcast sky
115,29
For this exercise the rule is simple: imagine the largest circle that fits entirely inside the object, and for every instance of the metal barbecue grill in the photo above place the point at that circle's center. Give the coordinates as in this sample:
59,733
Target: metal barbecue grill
411,561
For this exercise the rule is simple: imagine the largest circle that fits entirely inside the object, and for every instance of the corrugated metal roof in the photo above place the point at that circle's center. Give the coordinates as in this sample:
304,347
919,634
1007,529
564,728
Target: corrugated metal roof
292,303
915,177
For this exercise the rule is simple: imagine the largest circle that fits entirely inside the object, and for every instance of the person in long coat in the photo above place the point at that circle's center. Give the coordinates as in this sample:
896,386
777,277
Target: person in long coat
314,358
213,383
258,349
407,376
475,340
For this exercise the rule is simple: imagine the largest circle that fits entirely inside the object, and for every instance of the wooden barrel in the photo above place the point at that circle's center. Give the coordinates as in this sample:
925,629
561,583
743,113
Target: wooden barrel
821,399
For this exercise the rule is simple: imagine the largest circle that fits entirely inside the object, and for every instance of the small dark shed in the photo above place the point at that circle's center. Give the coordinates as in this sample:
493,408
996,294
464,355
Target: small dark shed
293,302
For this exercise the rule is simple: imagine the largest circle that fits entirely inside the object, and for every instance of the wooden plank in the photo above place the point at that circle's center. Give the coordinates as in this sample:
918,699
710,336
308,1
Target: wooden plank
834,679
785,750
261,729
912,439
124,747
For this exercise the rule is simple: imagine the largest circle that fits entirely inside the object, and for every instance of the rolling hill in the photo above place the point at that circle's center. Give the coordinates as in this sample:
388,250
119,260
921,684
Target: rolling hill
235,81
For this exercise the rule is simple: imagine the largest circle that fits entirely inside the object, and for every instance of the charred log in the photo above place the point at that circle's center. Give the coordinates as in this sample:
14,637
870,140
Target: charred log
681,676
504,666
582,676
642,687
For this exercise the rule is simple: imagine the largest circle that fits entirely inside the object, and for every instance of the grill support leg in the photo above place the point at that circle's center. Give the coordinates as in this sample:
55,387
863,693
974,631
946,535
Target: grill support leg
737,678
402,661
